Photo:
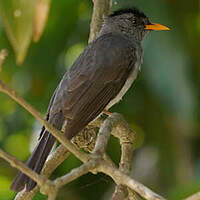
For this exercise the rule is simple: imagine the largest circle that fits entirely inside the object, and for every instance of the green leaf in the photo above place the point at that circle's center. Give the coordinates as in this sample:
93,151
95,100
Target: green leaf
17,17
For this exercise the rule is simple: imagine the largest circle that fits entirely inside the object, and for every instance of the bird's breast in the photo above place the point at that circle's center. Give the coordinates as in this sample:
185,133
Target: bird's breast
128,83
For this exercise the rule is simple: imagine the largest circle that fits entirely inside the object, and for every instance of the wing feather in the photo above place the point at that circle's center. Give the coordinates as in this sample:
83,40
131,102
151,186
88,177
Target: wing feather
94,80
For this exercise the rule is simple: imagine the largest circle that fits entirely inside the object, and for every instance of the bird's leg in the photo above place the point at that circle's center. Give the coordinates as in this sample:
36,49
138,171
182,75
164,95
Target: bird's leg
107,112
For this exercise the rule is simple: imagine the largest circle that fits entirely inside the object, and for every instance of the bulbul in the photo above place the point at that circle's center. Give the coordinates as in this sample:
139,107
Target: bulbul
97,80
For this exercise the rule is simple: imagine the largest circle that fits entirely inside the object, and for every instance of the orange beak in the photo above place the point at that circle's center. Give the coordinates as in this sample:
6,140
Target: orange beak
157,27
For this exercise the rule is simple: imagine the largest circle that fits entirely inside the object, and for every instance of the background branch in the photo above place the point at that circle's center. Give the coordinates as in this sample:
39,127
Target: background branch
101,9
121,178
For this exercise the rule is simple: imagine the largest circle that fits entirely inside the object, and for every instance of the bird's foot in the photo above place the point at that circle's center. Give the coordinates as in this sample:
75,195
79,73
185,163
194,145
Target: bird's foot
107,112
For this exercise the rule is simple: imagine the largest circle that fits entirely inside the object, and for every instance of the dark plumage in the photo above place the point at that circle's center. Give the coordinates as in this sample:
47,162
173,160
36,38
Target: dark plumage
97,80
136,12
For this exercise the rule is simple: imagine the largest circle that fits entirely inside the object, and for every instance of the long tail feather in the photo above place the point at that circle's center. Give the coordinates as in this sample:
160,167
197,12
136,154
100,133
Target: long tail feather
38,157
35,162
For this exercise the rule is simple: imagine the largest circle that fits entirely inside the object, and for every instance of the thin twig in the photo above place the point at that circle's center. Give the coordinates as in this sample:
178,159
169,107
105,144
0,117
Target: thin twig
54,160
23,195
121,178
56,133
76,173
23,168
127,139
104,133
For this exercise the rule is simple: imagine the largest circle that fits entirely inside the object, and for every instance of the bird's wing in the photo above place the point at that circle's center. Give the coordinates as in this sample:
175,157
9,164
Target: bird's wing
48,111
94,80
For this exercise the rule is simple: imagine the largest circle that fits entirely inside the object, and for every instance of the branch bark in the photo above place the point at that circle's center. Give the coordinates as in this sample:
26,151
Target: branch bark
127,139
101,9
20,166
54,160
46,185
121,178
56,133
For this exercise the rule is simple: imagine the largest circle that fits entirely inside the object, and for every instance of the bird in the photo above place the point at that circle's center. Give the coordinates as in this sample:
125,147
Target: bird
97,80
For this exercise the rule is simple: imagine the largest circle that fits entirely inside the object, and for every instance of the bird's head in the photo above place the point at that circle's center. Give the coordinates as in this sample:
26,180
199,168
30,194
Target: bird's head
131,21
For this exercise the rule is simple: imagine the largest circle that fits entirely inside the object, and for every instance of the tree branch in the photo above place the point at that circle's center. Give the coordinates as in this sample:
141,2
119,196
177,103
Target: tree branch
56,133
101,9
121,178
127,139
76,173
45,184
20,166
54,160
98,152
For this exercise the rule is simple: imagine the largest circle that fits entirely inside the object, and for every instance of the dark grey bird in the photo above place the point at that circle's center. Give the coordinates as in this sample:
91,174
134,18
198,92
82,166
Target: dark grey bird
96,81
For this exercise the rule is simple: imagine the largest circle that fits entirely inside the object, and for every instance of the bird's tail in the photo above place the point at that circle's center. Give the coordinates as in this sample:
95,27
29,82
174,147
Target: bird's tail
38,157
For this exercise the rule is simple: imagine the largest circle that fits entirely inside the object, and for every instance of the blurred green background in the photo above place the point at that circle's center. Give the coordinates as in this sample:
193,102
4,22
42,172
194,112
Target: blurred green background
162,106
